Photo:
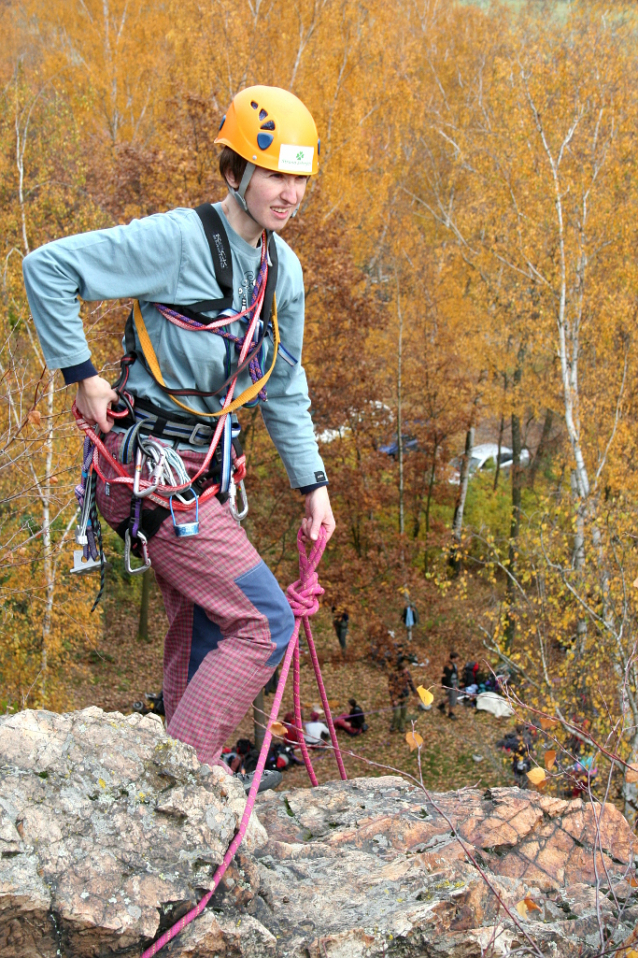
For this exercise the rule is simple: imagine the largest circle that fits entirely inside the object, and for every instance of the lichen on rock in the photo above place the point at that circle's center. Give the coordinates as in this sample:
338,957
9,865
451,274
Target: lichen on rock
110,831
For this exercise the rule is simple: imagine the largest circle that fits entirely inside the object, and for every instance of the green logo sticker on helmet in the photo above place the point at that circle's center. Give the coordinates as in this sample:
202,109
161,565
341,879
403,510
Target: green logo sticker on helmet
296,159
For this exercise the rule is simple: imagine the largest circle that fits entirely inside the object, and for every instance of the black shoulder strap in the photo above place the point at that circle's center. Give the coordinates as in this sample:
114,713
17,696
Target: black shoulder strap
271,285
222,259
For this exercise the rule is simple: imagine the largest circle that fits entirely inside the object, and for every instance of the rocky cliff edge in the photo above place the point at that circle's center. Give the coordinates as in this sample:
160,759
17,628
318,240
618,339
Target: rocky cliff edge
110,831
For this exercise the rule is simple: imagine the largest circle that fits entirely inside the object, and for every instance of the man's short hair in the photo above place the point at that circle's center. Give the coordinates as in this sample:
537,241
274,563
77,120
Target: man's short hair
453,655
231,163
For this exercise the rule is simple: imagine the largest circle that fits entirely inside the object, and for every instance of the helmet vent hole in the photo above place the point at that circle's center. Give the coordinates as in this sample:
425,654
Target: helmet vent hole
264,140
268,125
263,114
254,105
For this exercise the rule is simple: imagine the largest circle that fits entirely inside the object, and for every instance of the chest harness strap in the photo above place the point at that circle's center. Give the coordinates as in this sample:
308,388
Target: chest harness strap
159,472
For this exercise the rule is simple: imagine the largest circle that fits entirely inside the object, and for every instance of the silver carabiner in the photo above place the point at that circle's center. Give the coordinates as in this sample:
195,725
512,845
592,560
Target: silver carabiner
233,490
140,459
127,553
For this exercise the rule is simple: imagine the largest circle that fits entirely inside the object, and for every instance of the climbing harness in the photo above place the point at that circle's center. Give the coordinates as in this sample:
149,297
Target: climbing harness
159,475
303,597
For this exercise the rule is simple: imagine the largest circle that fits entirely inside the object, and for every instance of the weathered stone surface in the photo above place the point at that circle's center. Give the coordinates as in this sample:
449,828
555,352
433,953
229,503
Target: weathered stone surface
105,822
109,830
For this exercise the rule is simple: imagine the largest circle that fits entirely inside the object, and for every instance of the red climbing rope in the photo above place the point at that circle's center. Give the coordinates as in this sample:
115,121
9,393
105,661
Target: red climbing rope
303,596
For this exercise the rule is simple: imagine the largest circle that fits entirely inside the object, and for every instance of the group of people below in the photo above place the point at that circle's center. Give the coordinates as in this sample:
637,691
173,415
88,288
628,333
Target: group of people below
575,764
242,758
401,686
316,733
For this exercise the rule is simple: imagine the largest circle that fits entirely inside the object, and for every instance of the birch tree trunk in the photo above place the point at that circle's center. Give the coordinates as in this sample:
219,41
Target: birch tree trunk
400,412
515,525
457,522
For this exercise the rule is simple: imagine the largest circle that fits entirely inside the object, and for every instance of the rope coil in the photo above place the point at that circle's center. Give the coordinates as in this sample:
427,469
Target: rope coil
303,596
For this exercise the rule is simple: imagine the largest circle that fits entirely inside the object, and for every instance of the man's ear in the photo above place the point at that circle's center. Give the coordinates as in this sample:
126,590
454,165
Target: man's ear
231,182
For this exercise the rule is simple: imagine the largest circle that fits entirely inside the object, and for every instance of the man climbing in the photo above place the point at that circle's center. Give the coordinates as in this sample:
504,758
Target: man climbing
219,297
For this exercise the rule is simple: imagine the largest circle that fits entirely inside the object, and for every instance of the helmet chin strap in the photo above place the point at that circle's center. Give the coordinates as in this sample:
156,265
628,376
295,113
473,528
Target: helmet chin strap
239,194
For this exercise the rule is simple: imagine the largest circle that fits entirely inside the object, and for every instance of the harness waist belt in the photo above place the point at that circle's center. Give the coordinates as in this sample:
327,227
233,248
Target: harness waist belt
195,434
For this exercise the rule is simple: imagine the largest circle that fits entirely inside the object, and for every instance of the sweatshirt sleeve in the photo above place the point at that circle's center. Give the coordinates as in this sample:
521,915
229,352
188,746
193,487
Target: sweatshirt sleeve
287,411
139,261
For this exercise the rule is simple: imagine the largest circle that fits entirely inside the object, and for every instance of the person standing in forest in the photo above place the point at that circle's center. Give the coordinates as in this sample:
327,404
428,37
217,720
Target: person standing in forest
400,685
340,623
202,279
450,682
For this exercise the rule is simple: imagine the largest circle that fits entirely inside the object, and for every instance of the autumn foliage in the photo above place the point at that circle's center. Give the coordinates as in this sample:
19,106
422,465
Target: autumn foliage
469,250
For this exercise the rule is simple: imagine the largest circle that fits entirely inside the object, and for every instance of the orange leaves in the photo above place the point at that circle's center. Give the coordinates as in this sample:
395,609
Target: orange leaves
414,740
550,759
525,905
547,723
631,774
35,417
277,728
536,775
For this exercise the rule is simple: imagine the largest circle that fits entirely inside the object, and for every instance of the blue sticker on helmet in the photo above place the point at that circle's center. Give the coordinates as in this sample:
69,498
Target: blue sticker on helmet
264,140
223,121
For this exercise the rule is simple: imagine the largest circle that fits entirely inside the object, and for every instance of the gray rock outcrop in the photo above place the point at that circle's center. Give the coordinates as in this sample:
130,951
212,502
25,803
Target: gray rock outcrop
110,831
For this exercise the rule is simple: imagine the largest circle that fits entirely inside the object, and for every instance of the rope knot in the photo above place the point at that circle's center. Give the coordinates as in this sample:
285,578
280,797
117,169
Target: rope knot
303,596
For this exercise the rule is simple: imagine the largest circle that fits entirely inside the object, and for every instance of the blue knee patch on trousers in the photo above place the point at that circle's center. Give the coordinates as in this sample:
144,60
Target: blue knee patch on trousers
206,636
262,589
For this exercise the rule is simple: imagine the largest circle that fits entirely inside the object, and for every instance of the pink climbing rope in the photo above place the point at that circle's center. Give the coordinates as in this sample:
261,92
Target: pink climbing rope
303,596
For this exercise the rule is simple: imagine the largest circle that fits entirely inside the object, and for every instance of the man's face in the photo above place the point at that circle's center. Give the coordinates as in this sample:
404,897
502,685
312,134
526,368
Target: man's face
273,197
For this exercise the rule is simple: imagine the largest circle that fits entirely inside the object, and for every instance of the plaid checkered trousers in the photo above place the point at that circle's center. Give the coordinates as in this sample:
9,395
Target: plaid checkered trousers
229,621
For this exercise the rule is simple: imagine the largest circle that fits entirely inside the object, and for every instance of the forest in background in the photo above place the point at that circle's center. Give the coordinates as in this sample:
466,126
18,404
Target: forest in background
469,251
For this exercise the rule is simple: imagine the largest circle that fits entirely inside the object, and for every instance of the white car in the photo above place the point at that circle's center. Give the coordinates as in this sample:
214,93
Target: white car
484,458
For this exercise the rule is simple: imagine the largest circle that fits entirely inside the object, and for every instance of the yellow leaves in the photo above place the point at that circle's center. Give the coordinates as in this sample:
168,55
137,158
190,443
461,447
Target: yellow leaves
550,759
414,740
101,783
425,695
547,723
277,728
631,774
536,775
35,417
525,905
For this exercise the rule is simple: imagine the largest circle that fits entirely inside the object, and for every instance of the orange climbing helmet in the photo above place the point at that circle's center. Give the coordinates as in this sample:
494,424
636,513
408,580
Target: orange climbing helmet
271,128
